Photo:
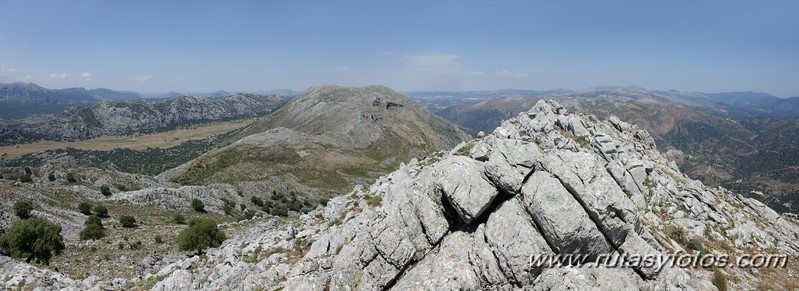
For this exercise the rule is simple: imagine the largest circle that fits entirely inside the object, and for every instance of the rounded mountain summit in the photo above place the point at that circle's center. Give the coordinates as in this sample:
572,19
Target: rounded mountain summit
328,138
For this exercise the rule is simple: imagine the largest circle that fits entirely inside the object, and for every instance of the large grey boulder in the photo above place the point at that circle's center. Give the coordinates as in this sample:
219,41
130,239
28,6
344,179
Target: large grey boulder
466,187
561,218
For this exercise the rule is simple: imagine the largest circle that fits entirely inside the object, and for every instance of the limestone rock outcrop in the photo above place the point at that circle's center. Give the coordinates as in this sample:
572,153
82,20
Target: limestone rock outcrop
547,182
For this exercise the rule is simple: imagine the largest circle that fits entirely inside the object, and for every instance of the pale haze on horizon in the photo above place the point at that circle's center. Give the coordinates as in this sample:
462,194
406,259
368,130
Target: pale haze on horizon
195,46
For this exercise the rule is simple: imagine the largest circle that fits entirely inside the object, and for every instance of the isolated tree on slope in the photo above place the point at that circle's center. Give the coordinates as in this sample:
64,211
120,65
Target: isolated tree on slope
34,238
201,234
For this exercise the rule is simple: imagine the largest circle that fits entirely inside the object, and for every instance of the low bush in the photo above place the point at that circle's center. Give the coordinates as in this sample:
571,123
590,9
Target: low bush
23,208
85,208
101,211
197,205
91,232
127,221
94,219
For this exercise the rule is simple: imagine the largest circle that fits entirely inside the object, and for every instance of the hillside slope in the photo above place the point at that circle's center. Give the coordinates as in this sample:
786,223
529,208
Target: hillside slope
328,138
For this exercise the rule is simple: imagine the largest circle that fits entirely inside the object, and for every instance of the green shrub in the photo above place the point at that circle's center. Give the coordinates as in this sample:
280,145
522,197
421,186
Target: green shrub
248,215
178,218
25,179
92,231
295,205
94,219
35,238
324,201
197,205
105,190
85,208
257,201
200,235
101,211
227,208
158,239
71,178
127,221
51,177
280,210
22,208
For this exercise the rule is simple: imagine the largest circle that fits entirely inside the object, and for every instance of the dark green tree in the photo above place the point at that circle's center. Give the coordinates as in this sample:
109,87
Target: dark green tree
35,238
94,219
127,221
22,208
200,235
105,190
257,201
101,211
280,210
85,208
91,231
197,205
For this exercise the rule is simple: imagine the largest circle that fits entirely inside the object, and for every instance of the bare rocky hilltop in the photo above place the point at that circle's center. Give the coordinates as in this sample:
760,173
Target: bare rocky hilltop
329,138
548,181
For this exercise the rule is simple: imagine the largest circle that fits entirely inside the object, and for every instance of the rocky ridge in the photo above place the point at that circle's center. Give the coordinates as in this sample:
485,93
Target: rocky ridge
548,181
127,117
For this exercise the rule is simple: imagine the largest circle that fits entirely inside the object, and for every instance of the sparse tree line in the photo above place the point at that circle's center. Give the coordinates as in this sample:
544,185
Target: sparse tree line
37,239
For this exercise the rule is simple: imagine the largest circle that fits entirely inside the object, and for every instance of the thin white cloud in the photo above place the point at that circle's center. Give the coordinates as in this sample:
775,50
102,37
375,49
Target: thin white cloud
435,62
28,77
505,73
86,76
8,70
60,76
142,78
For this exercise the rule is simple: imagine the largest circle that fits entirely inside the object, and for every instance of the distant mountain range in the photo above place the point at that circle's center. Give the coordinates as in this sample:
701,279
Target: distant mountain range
735,105
32,93
19,100
137,116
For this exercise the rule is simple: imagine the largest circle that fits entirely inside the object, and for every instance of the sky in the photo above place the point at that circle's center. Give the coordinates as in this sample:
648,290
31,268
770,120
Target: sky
202,46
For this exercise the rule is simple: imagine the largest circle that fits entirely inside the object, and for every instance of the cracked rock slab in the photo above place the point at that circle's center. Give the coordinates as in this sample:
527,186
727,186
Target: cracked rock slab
467,189
562,220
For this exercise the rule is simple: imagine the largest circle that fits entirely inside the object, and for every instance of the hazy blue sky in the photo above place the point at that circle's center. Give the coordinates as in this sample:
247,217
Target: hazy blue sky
193,46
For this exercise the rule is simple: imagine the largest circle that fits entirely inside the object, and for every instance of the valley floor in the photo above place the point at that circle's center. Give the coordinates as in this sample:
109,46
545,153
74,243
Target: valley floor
135,142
